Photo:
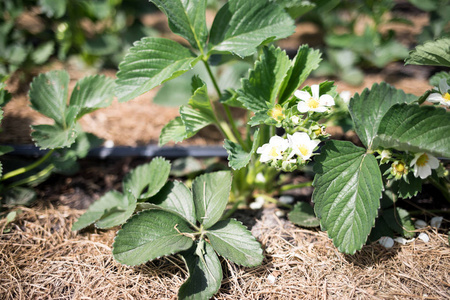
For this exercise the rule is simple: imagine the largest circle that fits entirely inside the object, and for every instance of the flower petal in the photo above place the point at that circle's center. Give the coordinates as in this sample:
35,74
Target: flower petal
302,95
302,107
315,91
435,97
326,100
443,86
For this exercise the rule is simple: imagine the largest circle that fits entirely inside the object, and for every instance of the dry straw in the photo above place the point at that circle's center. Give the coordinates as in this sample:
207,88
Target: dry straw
40,258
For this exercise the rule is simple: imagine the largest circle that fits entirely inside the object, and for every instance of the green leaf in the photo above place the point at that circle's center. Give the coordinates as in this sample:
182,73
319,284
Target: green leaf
347,193
235,242
432,53
187,19
173,131
119,214
237,156
369,108
211,192
5,149
53,136
241,26
53,8
416,129
149,63
399,221
407,189
436,78
42,53
112,201
296,8
176,198
205,273
193,120
48,95
102,45
303,215
148,179
303,64
265,80
150,234
200,99
91,93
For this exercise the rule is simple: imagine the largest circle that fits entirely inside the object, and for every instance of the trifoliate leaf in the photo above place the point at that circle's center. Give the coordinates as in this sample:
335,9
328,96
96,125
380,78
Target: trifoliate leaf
176,198
347,193
205,273
369,108
416,129
264,81
233,241
151,234
91,93
303,215
432,53
148,179
187,19
49,93
237,156
241,26
149,63
211,192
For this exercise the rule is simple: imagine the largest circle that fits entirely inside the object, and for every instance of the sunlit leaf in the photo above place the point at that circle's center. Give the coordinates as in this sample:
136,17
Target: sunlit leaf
347,193
211,192
432,53
150,234
149,63
235,242
416,129
241,26
53,136
187,19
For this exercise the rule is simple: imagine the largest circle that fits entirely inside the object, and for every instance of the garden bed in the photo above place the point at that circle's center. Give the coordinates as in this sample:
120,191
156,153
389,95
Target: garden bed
42,258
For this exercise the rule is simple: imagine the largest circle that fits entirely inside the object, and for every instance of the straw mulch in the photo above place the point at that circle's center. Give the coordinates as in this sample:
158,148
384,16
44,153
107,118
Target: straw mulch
40,258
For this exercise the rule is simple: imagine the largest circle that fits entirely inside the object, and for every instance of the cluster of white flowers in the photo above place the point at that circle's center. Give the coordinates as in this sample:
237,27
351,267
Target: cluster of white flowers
278,148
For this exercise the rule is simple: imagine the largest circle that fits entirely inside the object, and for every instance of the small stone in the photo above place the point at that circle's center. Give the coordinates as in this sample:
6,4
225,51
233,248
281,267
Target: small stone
386,242
436,222
271,279
286,199
109,144
419,224
424,237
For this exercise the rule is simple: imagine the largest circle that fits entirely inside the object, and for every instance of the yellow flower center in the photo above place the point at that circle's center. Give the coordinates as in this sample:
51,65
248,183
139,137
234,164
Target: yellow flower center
313,103
277,113
446,97
400,167
273,152
303,150
422,160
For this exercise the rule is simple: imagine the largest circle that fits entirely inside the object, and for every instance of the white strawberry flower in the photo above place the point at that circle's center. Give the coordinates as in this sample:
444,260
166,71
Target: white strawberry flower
273,150
314,102
443,95
423,164
302,145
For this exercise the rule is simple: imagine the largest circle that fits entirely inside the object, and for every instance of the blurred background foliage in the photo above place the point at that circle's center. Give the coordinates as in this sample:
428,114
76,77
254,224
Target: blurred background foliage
99,32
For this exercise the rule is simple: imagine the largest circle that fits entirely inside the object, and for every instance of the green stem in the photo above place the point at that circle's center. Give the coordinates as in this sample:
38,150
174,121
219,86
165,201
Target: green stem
231,211
444,190
288,187
27,168
213,78
32,178
234,128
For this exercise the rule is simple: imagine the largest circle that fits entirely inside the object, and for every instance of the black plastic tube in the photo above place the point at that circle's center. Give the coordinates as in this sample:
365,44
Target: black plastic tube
141,151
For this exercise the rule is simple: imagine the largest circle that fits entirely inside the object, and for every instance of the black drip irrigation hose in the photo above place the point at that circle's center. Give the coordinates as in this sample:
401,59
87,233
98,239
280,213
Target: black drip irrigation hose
141,151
